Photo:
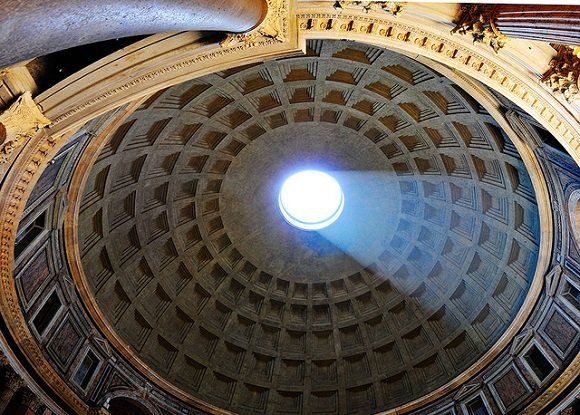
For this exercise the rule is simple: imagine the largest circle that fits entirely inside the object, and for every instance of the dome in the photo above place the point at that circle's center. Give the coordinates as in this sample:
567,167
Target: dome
203,280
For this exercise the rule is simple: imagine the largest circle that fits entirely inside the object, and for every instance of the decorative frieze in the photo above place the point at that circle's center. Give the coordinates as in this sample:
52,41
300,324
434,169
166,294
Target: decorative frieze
564,72
20,122
477,20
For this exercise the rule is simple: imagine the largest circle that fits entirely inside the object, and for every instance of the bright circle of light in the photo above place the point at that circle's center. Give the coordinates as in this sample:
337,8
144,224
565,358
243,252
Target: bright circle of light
311,200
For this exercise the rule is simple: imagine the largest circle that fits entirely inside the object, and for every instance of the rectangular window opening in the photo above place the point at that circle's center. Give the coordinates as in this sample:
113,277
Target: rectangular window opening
29,234
86,370
572,294
538,363
476,407
47,313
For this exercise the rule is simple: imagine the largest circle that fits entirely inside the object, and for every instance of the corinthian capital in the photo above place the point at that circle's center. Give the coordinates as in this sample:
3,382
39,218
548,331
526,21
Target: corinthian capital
30,400
18,123
564,73
13,381
273,29
478,20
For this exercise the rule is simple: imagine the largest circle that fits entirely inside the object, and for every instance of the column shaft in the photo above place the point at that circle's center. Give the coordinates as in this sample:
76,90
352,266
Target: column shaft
34,28
547,23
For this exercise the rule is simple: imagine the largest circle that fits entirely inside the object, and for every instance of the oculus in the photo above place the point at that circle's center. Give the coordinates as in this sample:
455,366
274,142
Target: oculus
311,200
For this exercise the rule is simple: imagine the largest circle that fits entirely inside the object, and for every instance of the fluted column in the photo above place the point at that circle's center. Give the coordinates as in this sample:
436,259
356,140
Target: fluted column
34,28
496,24
12,385
547,23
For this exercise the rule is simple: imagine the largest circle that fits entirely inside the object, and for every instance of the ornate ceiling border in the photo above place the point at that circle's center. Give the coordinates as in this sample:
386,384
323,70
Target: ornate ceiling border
105,86
15,191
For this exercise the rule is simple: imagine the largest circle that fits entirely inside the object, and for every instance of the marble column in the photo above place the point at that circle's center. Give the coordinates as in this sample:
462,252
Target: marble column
496,24
546,23
34,28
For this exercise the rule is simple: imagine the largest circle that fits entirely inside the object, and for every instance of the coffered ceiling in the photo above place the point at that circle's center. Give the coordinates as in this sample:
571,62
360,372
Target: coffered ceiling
193,266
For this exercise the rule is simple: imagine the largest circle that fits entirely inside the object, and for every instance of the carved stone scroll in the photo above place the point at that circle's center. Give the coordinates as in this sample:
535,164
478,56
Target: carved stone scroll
19,123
